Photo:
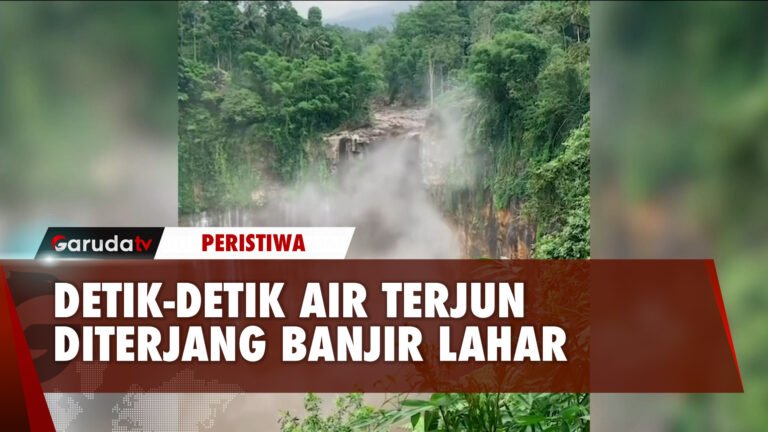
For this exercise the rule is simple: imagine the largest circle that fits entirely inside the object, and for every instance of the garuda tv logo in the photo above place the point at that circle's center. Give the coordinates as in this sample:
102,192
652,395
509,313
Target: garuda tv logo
114,244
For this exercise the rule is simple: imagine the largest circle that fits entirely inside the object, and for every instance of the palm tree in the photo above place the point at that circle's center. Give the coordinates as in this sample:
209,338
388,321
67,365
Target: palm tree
253,21
292,40
317,41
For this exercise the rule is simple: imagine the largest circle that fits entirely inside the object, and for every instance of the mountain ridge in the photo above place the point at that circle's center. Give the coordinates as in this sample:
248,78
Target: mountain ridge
379,15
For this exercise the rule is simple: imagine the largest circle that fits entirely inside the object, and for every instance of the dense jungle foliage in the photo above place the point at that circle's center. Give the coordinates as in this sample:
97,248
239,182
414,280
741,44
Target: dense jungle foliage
259,85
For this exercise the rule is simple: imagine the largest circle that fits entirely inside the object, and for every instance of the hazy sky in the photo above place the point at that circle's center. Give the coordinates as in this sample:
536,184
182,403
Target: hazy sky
334,9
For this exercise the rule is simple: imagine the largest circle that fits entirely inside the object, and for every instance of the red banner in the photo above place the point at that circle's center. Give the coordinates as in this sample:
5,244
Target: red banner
581,326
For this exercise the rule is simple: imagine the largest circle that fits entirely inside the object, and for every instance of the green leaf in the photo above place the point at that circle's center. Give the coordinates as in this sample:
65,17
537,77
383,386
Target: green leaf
528,420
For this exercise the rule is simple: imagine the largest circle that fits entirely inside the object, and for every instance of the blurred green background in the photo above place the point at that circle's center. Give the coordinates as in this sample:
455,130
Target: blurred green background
88,138
87,117
680,169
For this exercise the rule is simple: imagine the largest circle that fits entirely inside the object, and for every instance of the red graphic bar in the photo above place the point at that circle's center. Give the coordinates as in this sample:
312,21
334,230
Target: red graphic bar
23,405
631,326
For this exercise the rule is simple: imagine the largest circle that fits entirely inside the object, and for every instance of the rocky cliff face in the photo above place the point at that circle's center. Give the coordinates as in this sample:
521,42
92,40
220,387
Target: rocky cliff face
388,125
482,230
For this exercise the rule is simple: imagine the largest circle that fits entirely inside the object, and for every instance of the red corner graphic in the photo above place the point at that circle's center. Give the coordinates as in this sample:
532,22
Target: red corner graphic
24,407
712,271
